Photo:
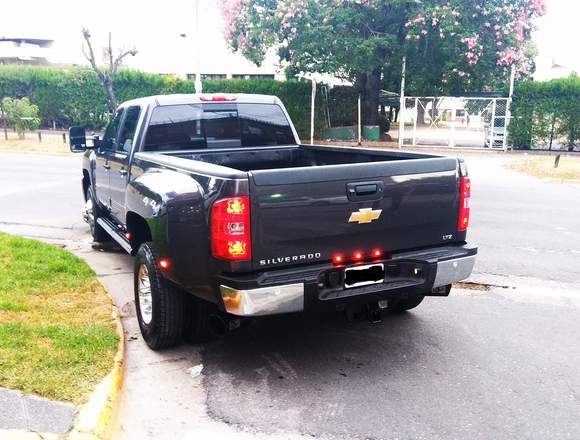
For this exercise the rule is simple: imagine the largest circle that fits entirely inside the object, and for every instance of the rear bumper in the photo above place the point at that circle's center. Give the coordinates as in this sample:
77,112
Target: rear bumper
305,288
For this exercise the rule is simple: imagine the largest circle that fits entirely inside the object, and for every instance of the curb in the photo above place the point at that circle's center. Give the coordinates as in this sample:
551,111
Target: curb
97,417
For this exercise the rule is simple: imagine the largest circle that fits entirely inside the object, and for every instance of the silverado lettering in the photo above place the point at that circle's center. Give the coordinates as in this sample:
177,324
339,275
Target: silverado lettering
293,258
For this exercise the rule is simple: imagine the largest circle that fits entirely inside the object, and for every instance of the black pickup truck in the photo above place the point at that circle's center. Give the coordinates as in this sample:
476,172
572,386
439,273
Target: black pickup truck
229,215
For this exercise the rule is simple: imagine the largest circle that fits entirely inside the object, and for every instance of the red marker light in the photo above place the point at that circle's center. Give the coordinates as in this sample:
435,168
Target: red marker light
358,255
217,98
337,259
377,253
164,263
128,235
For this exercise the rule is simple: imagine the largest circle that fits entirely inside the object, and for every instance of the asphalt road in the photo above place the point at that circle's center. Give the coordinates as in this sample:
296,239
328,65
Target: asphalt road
480,364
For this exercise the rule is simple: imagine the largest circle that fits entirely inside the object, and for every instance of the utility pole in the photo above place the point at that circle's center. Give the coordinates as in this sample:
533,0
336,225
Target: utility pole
312,102
507,108
359,121
198,85
402,103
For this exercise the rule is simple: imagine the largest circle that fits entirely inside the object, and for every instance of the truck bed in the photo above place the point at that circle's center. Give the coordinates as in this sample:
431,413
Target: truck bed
297,156
304,199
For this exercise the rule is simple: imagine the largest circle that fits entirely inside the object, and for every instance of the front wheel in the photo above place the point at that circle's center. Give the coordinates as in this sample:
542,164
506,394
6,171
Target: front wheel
91,214
402,305
160,305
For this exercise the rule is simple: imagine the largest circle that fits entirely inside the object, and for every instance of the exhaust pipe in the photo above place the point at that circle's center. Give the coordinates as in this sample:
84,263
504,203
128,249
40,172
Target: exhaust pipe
219,323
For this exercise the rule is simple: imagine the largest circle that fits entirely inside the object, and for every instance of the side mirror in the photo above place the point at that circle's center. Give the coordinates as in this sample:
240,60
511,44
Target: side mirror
77,139
97,141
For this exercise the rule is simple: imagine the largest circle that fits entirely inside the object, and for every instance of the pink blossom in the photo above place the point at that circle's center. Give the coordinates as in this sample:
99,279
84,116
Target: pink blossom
230,11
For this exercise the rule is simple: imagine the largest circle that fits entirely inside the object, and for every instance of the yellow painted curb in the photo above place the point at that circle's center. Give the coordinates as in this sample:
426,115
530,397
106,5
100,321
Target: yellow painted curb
97,417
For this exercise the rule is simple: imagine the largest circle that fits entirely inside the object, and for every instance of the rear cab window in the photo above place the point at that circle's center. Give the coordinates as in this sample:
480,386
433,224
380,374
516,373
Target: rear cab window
217,125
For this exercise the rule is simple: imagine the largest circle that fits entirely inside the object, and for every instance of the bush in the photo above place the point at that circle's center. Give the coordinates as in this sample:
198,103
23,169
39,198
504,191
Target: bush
21,115
541,110
75,96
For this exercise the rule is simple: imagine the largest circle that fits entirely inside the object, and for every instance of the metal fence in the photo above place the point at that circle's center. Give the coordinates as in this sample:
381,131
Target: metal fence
454,122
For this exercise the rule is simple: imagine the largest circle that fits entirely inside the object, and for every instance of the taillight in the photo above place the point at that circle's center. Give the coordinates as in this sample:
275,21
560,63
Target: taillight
230,229
464,197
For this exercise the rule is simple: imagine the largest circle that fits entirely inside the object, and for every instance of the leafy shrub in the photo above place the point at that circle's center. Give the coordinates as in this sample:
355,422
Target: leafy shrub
74,96
21,114
542,110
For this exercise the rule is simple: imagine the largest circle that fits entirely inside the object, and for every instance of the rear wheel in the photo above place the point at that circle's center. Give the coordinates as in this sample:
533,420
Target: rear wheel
92,213
160,304
402,305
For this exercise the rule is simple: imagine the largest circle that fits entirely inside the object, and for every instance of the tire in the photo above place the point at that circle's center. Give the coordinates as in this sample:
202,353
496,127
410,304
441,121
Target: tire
92,213
402,305
197,326
160,305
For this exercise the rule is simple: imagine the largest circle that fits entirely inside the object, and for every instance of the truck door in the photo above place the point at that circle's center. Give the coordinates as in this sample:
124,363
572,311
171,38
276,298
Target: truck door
102,162
119,162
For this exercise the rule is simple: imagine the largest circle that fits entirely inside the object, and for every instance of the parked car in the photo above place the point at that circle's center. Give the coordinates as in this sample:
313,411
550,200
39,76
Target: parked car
494,137
229,215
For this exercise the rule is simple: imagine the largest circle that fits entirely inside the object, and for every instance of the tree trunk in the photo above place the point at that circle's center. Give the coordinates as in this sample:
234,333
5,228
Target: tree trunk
371,95
369,86
111,99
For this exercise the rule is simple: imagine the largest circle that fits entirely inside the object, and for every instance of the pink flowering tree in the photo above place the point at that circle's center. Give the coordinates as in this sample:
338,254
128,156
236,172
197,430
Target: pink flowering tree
459,45
450,45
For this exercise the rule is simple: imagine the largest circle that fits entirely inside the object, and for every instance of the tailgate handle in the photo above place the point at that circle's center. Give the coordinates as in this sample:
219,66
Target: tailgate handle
362,191
365,190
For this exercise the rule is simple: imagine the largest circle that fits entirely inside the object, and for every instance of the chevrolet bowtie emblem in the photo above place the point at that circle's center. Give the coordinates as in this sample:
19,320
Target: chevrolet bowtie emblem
365,215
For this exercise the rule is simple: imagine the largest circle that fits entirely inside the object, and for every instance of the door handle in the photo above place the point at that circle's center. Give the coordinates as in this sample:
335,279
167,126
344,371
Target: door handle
123,172
107,166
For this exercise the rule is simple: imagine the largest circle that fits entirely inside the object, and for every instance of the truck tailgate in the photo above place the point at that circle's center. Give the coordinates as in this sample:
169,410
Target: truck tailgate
302,215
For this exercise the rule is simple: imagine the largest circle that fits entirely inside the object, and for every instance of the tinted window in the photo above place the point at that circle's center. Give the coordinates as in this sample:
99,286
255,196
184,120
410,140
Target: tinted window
221,126
224,125
110,136
128,130
264,124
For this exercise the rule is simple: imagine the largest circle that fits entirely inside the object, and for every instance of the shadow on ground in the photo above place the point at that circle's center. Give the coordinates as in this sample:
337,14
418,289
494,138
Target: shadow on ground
456,367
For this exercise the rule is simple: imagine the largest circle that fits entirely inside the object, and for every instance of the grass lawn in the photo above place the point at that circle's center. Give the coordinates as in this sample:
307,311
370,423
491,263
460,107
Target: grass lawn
57,336
51,143
543,167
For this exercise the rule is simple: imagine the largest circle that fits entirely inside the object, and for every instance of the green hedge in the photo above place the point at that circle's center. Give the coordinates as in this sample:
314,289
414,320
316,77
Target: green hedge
75,96
543,109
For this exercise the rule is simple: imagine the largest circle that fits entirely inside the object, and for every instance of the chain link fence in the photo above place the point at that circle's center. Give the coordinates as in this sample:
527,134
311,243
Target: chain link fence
454,122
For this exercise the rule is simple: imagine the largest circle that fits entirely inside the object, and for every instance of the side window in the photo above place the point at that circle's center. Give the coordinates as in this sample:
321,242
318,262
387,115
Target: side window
110,136
128,130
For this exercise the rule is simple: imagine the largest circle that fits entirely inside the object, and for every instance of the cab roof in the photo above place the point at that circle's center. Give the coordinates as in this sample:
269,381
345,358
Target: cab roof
161,100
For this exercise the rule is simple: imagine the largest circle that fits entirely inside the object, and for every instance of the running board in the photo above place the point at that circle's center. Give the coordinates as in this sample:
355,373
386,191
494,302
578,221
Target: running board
113,231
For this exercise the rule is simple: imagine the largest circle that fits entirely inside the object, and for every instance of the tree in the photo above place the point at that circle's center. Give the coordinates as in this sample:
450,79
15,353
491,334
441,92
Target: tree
456,45
450,45
108,74
21,115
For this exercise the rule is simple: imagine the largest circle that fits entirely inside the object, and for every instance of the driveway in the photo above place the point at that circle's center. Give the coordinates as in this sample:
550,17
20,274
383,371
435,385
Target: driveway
496,363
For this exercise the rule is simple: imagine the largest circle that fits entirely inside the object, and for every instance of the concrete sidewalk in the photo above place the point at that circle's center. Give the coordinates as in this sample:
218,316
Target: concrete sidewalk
35,414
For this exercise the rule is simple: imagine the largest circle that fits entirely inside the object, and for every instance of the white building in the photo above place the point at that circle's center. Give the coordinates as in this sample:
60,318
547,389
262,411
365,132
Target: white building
548,69
25,50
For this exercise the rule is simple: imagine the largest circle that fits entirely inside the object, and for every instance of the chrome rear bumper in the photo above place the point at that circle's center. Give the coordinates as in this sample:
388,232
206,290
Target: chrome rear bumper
451,271
249,300
264,300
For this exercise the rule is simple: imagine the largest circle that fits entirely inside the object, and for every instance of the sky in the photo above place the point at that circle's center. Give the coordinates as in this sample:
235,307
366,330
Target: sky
154,29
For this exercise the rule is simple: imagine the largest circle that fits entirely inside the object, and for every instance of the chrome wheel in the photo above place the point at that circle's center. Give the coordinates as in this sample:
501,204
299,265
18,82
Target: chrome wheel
144,294
89,214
